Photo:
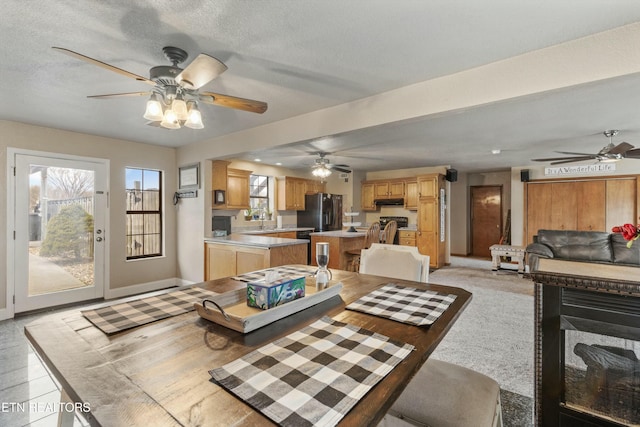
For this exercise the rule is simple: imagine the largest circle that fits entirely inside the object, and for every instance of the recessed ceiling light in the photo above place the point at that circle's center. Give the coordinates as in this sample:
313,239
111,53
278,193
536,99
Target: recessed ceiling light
257,160
495,151
278,164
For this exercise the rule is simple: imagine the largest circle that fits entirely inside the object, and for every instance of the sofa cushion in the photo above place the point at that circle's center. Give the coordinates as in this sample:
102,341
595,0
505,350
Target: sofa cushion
621,253
540,250
577,245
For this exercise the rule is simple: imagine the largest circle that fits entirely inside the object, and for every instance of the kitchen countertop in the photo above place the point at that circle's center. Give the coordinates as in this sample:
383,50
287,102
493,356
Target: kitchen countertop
273,230
340,233
254,241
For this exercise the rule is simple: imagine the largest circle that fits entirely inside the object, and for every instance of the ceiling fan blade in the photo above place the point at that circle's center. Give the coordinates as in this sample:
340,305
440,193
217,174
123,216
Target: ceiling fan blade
339,169
575,154
574,159
120,95
621,148
632,154
548,159
201,71
233,102
104,65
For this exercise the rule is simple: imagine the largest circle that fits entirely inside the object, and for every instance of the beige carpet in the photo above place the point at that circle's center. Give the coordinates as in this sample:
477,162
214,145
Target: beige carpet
494,335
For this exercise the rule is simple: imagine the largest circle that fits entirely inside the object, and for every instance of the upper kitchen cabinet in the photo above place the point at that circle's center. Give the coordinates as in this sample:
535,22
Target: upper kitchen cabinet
314,187
388,189
367,194
380,190
238,188
234,183
411,195
291,193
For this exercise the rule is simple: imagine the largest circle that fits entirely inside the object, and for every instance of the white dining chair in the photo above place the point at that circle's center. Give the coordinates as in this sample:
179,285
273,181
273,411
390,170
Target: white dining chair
399,262
441,394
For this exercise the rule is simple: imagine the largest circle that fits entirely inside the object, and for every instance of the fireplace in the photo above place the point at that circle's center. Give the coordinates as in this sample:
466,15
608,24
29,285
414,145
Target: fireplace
587,345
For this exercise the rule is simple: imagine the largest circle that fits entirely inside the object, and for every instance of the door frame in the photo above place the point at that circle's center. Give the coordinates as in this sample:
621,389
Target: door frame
11,219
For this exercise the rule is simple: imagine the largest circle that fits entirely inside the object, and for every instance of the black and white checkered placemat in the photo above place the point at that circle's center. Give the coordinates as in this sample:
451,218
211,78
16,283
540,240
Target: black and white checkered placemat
126,315
283,270
404,304
313,376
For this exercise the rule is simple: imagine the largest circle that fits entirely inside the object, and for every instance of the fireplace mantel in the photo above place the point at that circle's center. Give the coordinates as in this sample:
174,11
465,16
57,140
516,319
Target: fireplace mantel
569,295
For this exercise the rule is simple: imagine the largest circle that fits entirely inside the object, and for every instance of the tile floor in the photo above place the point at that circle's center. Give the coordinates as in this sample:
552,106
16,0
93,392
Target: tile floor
29,395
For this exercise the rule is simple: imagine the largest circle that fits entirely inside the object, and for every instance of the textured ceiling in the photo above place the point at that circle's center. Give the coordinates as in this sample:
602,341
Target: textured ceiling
304,56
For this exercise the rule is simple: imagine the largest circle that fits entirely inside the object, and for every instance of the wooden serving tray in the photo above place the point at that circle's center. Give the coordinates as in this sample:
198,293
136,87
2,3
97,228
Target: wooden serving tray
230,309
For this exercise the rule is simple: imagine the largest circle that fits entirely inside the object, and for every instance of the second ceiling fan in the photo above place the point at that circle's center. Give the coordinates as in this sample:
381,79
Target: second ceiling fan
610,153
175,94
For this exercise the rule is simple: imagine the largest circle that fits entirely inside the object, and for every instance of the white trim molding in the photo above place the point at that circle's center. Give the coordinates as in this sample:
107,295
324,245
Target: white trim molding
145,287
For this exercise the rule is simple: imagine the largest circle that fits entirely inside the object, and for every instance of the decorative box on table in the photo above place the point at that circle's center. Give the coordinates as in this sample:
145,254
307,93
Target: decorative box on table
266,295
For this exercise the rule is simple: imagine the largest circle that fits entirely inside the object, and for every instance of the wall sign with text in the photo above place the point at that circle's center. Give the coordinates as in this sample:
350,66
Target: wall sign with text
572,170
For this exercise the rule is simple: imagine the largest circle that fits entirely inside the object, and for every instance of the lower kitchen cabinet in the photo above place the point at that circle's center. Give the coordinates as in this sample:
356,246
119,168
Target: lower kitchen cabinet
407,237
224,260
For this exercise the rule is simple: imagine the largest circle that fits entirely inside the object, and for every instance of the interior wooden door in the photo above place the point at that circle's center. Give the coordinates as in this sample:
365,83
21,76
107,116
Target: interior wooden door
538,209
486,218
621,196
590,209
564,203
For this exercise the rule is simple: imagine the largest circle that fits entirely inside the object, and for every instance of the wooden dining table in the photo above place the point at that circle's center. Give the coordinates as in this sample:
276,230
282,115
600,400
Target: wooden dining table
157,374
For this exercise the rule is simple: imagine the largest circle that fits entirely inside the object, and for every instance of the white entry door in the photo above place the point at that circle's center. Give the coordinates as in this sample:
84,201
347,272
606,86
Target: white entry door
60,238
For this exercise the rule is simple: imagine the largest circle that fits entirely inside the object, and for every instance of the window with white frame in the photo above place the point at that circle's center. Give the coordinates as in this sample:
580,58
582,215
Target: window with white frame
259,196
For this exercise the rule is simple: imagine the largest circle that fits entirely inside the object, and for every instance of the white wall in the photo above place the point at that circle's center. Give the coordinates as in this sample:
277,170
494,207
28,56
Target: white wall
121,154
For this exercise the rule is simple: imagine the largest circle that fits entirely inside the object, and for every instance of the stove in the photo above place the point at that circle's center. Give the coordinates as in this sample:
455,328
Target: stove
402,221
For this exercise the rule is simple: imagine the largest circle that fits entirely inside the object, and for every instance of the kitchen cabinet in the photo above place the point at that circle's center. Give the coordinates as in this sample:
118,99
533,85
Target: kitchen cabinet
589,204
367,197
234,183
238,188
314,187
388,189
367,194
407,237
380,189
411,195
291,192
430,234
224,260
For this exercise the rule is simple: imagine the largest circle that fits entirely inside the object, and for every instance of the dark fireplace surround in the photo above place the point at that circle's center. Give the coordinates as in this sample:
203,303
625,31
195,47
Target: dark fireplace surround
578,305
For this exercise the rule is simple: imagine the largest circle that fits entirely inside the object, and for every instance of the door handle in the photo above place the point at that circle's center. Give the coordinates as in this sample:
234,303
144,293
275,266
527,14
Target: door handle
98,239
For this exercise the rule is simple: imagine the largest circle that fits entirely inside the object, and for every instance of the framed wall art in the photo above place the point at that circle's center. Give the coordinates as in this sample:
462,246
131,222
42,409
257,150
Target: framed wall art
189,177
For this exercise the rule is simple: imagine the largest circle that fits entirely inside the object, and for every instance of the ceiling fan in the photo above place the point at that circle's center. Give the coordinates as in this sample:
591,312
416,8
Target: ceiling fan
175,95
610,153
323,167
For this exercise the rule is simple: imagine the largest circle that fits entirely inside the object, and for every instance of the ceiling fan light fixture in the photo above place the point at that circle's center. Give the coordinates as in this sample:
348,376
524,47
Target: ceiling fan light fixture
194,117
170,121
153,111
321,172
180,107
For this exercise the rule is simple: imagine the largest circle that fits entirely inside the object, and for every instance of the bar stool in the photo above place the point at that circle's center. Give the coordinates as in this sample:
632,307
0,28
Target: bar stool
373,236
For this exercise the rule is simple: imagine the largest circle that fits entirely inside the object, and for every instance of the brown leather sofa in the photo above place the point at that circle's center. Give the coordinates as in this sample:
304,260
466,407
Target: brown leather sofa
586,246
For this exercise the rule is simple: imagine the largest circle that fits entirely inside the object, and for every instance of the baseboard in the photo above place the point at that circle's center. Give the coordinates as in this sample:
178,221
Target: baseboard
146,287
5,314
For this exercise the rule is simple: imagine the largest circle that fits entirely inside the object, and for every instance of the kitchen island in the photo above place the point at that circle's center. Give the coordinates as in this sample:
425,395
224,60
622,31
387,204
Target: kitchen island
339,243
241,253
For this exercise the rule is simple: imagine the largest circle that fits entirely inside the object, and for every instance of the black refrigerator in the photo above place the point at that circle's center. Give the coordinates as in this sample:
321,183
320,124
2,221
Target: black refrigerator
322,211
